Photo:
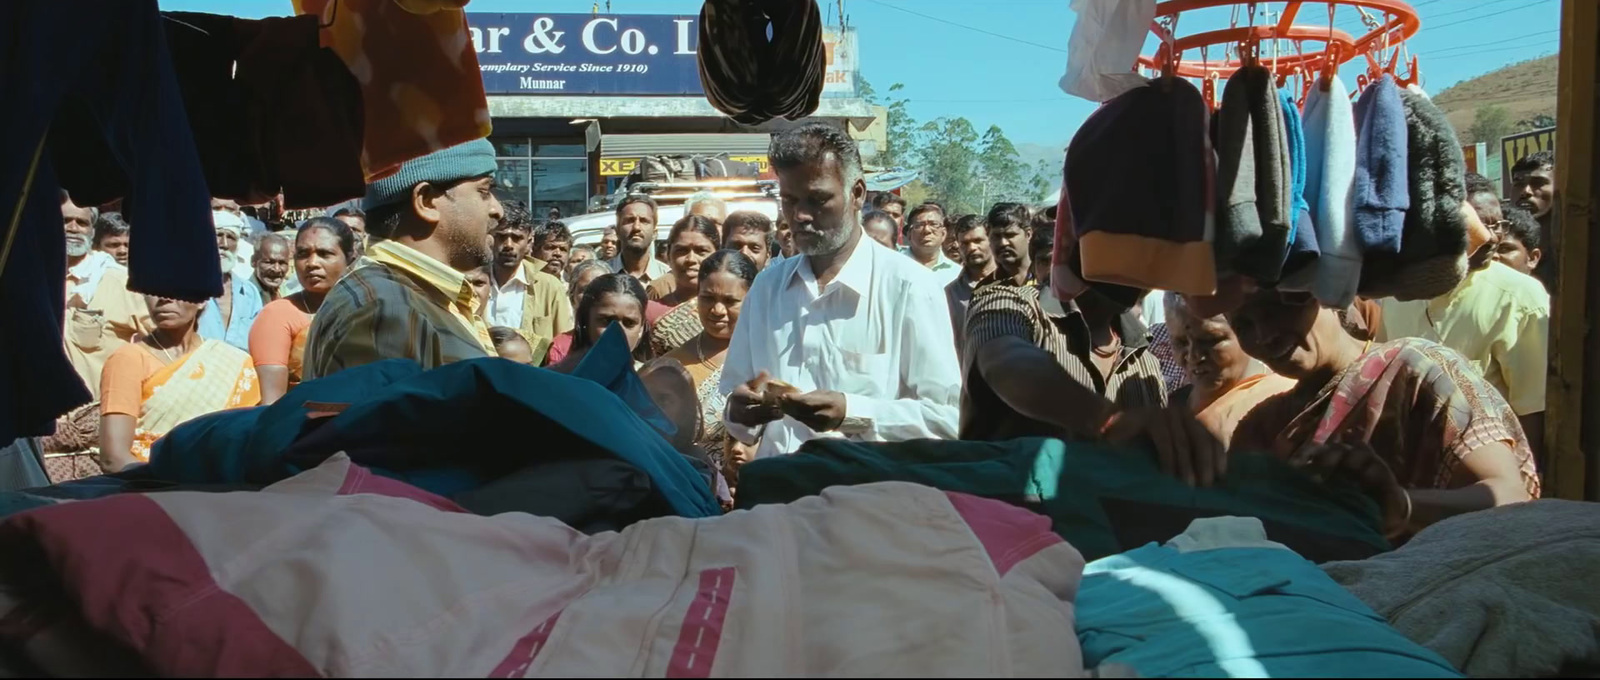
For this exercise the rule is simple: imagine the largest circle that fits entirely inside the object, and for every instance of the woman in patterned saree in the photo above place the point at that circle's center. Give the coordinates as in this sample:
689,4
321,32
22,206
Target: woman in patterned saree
167,377
724,279
323,249
693,239
1411,420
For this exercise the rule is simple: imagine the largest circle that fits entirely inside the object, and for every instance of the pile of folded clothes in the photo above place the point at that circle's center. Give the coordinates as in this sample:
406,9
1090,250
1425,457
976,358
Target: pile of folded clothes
479,519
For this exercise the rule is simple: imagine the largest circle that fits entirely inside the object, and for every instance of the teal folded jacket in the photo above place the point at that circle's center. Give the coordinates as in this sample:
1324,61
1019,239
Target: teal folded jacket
1236,612
1102,500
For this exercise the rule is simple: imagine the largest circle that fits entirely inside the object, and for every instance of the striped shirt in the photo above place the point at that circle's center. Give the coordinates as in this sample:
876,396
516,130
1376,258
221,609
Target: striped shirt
1000,311
396,304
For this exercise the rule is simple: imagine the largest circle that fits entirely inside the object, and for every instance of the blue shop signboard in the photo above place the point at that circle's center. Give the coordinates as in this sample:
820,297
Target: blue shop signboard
587,54
600,54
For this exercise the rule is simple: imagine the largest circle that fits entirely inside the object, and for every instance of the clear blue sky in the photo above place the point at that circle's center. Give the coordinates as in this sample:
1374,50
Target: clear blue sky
973,58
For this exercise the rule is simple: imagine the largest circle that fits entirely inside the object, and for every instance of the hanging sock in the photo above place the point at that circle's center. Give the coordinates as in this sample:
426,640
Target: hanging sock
752,78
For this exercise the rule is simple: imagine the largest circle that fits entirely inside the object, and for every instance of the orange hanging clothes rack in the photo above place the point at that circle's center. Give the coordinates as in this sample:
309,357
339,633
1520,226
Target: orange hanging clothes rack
1398,23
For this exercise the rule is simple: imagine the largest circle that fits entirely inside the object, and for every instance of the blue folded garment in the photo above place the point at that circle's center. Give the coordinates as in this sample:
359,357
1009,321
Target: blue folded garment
1236,612
447,430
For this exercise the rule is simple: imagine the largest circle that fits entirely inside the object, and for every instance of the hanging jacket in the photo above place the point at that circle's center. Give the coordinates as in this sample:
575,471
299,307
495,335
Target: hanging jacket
108,79
420,83
1330,187
272,110
341,573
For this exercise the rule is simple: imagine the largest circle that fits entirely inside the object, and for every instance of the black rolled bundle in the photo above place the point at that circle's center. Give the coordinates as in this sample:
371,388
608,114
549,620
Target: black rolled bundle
752,78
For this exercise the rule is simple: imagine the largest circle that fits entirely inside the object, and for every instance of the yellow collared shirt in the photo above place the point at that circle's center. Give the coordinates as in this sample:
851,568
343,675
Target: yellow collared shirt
1498,318
453,285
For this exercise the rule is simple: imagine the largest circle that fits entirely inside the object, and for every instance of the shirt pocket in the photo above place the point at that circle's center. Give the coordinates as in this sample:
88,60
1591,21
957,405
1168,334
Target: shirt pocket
865,373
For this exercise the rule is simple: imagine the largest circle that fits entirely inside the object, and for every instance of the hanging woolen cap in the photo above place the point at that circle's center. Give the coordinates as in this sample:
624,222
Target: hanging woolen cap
753,78
1433,251
1139,173
1254,179
1380,195
1300,267
462,161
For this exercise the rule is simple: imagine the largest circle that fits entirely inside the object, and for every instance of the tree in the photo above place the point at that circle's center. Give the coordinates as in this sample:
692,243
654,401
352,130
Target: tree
1046,177
900,145
900,129
1489,123
950,166
1000,172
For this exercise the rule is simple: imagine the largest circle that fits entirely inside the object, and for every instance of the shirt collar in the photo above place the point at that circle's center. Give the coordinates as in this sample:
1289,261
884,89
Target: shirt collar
520,277
430,271
856,273
1129,327
653,269
95,262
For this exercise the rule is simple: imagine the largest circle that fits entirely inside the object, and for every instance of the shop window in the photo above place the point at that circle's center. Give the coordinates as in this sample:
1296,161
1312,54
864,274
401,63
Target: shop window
545,175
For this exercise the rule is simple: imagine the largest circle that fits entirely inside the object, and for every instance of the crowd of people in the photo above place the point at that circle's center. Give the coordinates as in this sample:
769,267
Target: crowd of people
853,315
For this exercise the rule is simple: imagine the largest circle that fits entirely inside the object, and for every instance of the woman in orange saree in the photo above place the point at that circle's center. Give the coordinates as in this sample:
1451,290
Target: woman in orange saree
323,249
164,378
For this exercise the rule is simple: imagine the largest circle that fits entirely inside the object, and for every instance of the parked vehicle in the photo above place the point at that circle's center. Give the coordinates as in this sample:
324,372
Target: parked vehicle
750,194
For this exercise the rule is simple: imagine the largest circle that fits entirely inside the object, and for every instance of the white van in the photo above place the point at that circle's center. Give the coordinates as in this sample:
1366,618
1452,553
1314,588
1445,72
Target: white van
740,195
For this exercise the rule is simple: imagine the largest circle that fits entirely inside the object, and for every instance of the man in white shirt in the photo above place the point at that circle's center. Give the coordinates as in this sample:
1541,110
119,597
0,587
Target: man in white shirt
521,295
854,327
924,236
636,238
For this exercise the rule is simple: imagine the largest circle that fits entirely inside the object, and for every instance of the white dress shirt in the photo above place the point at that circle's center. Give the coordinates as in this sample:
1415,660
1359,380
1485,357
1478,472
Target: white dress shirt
879,333
83,278
506,302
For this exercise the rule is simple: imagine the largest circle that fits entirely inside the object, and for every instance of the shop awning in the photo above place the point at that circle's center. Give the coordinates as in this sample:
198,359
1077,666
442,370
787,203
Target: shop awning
636,146
851,109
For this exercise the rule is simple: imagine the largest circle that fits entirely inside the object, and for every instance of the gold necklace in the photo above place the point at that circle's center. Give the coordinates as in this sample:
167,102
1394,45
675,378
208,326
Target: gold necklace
700,352
164,351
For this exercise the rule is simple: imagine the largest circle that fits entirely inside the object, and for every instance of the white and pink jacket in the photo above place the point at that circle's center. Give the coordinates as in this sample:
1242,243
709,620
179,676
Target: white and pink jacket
337,572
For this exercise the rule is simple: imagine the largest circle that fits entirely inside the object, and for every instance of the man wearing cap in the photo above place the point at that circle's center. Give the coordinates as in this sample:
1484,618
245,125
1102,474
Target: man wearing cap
228,318
409,298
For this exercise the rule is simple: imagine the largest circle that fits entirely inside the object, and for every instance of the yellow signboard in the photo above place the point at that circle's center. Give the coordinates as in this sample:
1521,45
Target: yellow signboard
617,167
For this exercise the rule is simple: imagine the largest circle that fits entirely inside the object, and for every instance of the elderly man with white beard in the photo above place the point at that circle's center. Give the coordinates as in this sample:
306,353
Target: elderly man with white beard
228,318
101,313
